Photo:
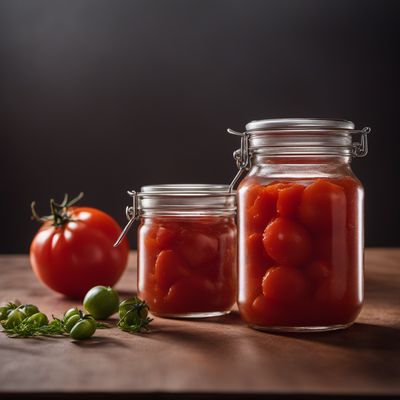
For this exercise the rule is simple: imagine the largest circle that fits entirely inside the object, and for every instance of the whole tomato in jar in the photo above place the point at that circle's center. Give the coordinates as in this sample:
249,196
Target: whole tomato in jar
73,250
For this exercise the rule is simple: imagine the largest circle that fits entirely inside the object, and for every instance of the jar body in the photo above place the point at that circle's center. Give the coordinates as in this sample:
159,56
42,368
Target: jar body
188,265
300,244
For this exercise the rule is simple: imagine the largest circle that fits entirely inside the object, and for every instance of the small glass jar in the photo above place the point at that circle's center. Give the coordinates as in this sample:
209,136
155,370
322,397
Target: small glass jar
301,230
187,245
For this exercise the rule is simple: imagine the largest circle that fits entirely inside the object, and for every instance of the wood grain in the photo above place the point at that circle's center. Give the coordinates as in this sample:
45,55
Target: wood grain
219,355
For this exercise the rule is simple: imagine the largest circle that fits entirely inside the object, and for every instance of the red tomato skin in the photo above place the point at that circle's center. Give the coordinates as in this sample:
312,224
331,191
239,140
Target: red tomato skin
169,268
318,271
166,237
263,311
289,199
192,268
287,242
323,204
255,265
327,269
189,295
259,205
197,247
73,258
285,284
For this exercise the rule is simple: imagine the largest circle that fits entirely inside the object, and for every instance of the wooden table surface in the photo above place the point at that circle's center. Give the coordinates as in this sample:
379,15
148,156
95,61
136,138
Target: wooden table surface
217,356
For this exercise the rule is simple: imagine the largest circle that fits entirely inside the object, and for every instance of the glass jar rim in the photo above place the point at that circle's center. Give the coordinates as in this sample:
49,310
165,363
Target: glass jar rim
285,124
186,200
302,136
185,189
179,200
298,137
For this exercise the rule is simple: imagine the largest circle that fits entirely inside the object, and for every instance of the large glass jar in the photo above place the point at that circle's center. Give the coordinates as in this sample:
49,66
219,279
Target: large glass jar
187,249
300,212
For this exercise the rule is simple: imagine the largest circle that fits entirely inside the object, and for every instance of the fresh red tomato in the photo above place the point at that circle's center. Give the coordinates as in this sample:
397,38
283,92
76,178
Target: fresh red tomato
323,207
287,242
74,251
284,284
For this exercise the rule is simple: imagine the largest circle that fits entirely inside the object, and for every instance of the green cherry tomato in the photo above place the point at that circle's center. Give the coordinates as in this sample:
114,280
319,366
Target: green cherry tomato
15,317
38,319
29,309
126,305
71,322
84,329
6,309
89,318
101,302
69,313
133,311
134,317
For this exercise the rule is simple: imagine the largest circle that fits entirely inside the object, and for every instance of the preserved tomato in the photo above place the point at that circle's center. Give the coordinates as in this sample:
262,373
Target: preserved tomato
287,242
323,204
188,265
300,250
301,223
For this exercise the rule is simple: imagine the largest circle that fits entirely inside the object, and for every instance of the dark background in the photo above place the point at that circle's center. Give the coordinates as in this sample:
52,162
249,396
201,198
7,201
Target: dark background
103,96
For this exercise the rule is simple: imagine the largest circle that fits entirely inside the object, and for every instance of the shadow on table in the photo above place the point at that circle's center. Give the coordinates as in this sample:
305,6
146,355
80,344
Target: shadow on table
99,341
190,333
358,336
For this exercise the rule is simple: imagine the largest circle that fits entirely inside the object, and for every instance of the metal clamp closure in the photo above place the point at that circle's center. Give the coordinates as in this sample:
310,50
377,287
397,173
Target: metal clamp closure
242,156
360,149
131,213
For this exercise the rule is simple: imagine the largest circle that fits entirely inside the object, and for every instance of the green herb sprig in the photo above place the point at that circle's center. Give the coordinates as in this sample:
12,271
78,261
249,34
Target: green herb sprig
25,320
28,329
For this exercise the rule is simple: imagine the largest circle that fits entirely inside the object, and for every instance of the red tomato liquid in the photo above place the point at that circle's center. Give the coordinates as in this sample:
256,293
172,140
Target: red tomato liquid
301,259
188,266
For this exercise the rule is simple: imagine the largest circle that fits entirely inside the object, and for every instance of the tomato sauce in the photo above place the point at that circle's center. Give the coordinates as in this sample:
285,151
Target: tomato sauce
188,266
300,250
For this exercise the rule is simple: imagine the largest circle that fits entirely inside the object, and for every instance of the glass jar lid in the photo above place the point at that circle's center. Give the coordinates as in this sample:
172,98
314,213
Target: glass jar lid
179,200
183,188
185,199
301,135
298,137
298,123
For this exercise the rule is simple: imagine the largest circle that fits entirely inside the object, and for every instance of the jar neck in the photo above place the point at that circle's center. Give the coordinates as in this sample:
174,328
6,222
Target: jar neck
260,158
299,141
185,213
188,218
300,167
